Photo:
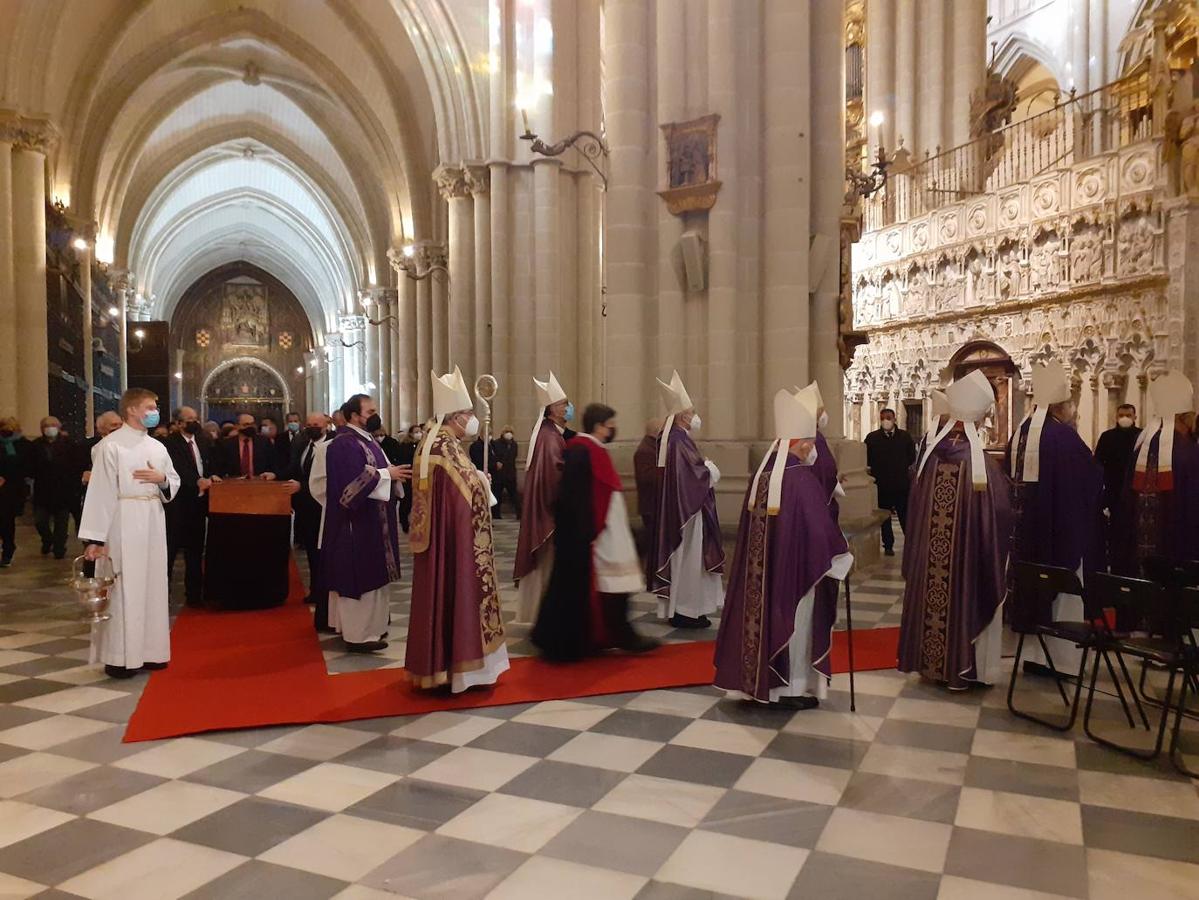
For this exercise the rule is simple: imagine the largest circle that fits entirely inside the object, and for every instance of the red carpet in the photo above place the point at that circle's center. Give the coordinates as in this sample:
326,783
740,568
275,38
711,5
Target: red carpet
251,669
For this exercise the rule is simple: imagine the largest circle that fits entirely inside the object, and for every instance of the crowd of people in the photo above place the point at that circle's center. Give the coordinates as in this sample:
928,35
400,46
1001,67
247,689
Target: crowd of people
967,517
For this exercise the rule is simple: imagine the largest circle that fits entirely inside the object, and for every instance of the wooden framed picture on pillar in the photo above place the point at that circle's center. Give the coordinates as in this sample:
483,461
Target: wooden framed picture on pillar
691,183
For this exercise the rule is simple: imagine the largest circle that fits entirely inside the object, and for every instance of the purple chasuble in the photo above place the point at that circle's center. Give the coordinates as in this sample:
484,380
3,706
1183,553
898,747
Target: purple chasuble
538,497
825,470
360,550
1151,521
455,619
685,491
777,561
1058,519
954,563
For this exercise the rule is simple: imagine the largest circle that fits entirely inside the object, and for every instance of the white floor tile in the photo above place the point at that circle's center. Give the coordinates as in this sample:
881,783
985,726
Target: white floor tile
318,742
935,712
37,770
732,865
542,876
886,839
483,770
343,847
1148,795
674,703
1122,876
162,870
834,724
72,699
606,751
330,786
517,823
915,762
725,737
167,807
565,714
1020,815
13,888
178,757
21,820
1029,748
795,781
661,800
954,888
448,728
52,731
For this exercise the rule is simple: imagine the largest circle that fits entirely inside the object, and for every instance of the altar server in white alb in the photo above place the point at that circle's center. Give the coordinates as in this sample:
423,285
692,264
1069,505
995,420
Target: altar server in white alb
123,518
687,557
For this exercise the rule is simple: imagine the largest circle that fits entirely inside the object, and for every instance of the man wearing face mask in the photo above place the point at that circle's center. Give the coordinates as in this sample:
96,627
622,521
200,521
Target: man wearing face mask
123,518
777,627
56,486
503,455
187,516
15,461
596,568
246,454
890,452
1057,488
455,631
543,471
1115,452
687,556
288,436
406,457
360,548
308,510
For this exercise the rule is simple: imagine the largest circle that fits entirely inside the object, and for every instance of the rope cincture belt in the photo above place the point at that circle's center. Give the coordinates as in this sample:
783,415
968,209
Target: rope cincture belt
137,497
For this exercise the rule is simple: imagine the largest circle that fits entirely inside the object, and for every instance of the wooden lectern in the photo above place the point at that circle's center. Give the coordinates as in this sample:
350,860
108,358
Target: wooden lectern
248,554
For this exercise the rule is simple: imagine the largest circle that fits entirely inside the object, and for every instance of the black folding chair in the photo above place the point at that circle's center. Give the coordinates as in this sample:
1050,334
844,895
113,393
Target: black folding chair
1186,610
1036,589
1174,577
1144,606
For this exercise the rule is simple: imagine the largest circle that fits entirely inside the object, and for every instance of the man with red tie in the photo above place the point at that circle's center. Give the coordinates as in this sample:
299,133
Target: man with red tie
247,454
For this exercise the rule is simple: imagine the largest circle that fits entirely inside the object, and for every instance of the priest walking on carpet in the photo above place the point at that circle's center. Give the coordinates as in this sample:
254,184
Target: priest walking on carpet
123,519
596,567
455,632
956,552
543,471
1058,493
360,548
776,629
687,556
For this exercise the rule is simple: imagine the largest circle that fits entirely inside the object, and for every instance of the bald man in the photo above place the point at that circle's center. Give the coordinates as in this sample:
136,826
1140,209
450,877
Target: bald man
187,515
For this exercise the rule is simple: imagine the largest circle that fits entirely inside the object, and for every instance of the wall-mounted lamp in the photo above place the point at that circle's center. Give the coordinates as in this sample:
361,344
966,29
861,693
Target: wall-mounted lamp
588,144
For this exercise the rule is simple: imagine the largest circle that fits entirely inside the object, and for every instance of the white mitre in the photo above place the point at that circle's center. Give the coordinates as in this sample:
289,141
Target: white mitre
968,399
1050,384
793,420
1171,394
450,395
548,392
811,397
939,403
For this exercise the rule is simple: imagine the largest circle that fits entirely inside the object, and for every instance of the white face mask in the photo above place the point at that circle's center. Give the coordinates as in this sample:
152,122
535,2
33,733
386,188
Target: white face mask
472,426
1124,421
822,422
507,435
810,459
50,432
695,423
888,424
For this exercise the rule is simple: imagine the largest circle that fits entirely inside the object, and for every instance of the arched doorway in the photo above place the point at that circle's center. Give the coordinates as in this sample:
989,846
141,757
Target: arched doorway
997,365
244,384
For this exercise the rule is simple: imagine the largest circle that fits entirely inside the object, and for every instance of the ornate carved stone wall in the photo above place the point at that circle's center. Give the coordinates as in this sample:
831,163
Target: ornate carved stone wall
1086,264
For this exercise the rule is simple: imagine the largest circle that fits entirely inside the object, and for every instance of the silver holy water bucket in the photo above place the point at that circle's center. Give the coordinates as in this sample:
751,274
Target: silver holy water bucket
92,591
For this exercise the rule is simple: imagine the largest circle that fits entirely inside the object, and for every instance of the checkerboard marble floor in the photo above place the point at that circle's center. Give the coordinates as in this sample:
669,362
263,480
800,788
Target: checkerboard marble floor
667,795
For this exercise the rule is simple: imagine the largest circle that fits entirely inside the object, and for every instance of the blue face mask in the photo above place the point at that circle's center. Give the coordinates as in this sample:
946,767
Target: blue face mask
293,427
570,411
150,419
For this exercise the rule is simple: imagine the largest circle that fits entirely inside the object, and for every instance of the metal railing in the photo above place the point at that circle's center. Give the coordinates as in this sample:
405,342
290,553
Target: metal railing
1115,115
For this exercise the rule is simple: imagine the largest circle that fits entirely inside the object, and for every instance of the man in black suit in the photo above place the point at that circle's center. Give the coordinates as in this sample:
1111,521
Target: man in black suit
187,514
287,438
246,454
56,485
308,511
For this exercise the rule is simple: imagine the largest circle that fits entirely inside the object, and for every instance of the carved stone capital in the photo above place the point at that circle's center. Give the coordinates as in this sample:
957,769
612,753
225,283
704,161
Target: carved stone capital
380,296
431,254
28,132
478,178
400,261
451,181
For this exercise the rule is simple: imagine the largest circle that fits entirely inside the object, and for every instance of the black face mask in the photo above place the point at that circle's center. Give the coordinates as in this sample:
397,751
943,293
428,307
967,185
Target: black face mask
248,431
6,433
314,432
611,436
193,428
373,424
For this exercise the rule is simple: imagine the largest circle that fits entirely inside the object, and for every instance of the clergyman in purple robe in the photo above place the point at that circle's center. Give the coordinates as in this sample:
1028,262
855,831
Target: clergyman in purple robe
776,629
360,550
956,550
1057,499
455,632
687,557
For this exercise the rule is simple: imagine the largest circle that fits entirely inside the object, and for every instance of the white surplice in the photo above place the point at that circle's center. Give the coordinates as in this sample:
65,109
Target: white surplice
694,591
127,516
533,586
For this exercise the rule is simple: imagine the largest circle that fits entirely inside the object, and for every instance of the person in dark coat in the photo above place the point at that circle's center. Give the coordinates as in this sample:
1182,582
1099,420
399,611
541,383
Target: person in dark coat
504,450
106,424
56,485
476,457
187,514
890,453
246,454
406,456
15,458
308,512
1115,452
389,445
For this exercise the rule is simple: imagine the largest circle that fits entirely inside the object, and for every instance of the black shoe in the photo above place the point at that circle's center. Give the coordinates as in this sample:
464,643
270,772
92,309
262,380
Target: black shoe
60,554
154,667
680,621
638,643
367,647
325,629
888,551
119,672
5,561
46,549
802,702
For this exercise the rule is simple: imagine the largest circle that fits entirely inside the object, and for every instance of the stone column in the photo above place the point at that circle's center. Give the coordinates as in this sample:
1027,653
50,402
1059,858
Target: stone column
930,78
671,58
29,268
627,34
478,182
500,292
8,298
84,258
719,395
440,303
880,72
1080,44
969,66
547,290
370,310
451,181
904,85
